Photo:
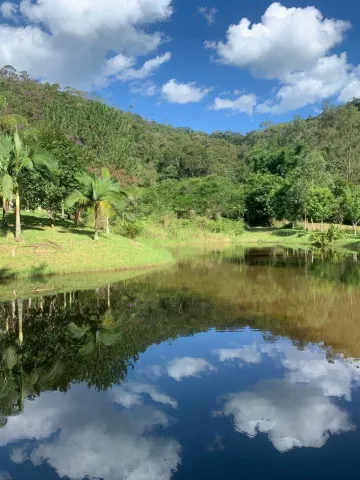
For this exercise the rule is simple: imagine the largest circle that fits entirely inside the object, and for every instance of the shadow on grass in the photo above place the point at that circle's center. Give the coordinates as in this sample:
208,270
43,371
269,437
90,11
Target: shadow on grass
7,275
38,273
287,233
29,221
77,231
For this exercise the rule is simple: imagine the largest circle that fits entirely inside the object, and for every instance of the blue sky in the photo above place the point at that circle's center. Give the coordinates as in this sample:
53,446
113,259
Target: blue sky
210,65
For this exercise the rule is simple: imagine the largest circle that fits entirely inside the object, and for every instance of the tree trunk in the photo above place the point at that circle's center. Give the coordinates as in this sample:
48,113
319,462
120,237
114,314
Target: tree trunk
3,223
18,237
96,235
107,228
355,230
312,225
322,225
62,210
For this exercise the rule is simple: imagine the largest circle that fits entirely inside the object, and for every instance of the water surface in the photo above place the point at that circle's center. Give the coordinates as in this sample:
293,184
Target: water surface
233,364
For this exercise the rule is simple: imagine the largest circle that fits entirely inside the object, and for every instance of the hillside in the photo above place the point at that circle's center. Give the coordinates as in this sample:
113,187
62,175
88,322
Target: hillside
304,170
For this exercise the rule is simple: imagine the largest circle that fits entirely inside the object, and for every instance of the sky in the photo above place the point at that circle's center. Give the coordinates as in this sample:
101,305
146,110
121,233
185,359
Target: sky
212,65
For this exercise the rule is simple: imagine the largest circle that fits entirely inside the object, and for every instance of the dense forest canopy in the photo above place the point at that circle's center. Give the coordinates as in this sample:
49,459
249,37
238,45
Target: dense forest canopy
306,168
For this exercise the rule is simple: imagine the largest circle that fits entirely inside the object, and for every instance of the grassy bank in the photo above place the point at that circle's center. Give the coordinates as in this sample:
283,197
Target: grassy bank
66,249
292,238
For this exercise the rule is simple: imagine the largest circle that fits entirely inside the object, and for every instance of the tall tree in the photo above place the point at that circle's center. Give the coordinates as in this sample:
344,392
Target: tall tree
20,160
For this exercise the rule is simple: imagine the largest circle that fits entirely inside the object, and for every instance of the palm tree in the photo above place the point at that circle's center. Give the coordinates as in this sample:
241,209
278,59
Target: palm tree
19,158
99,194
5,188
104,333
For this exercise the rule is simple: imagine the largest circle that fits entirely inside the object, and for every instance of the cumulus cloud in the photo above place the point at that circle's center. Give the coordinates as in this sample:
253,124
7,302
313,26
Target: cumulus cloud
188,367
329,77
208,13
242,104
277,46
248,353
131,394
69,42
292,415
277,49
93,439
175,92
296,411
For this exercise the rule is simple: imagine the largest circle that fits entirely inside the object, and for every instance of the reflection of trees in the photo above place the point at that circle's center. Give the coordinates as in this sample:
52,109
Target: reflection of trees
47,343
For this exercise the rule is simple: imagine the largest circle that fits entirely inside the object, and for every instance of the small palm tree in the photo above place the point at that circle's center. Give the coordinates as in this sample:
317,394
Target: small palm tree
97,335
19,158
99,194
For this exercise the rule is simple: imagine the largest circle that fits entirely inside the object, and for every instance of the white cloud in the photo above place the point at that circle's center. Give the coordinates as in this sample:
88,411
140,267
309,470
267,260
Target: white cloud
277,46
18,455
248,353
292,415
145,89
182,93
188,367
69,42
329,77
334,379
242,104
131,394
93,438
208,13
8,10
277,49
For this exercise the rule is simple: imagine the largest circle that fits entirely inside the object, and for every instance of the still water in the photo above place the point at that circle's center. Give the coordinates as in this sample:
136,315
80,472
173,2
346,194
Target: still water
231,365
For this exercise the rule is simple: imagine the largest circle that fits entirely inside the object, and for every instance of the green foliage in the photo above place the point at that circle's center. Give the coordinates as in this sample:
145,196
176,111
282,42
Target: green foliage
320,204
325,239
260,199
352,204
127,228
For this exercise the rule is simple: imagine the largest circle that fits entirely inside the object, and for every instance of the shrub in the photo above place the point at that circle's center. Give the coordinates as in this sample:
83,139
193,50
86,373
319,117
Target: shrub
324,239
126,228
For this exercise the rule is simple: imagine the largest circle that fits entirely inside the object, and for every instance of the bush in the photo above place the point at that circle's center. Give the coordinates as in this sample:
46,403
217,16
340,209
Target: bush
126,228
324,239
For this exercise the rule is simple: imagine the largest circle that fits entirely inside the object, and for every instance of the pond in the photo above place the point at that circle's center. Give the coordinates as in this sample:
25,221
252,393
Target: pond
232,364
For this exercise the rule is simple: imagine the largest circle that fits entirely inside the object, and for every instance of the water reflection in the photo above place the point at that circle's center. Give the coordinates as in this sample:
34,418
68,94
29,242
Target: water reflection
186,373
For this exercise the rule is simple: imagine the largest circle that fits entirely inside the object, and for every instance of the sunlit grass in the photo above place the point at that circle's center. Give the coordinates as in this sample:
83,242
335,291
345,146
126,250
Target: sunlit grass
69,249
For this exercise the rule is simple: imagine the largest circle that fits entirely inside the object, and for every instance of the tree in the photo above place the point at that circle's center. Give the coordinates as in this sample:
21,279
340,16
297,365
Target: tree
99,194
352,205
320,204
260,198
5,188
20,160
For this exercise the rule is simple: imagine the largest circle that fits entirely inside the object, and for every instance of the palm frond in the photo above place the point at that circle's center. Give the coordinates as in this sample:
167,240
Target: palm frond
105,174
84,179
7,187
76,198
76,331
6,145
10,358
109,338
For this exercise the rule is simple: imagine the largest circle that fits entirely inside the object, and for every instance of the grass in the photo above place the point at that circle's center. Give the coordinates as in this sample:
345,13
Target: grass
291,238
66,249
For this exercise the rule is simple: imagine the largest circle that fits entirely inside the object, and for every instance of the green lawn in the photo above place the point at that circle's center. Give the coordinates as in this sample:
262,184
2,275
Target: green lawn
67,249
291,238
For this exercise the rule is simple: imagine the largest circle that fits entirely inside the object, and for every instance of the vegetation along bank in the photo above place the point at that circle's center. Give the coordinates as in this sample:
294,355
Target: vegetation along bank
114,188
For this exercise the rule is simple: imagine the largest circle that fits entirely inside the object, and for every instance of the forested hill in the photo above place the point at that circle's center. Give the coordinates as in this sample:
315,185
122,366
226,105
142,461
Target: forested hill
322,151
150,151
